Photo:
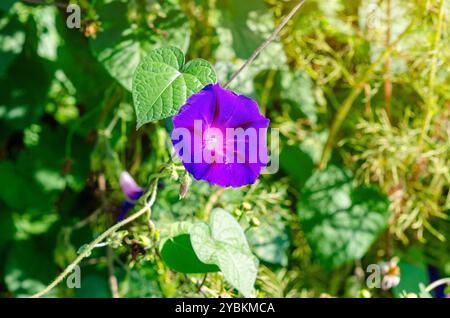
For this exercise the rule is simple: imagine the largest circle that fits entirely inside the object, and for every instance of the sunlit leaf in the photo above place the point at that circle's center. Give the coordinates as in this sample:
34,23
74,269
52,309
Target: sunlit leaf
223,243
163,82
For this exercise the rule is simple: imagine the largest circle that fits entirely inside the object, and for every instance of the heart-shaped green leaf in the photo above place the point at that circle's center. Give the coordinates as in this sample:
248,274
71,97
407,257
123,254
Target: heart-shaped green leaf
162,83
340,221
224,244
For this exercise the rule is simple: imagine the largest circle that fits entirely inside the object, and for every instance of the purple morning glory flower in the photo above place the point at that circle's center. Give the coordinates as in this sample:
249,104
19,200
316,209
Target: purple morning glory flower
132,193
221,137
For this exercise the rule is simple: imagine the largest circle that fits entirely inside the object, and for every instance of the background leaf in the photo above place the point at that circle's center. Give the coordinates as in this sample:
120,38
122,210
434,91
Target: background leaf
236,16
121,44
340,221
270,240
12,38
23,277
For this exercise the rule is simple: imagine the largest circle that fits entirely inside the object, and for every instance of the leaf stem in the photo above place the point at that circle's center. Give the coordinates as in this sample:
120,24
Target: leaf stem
87,251
113,285
266,42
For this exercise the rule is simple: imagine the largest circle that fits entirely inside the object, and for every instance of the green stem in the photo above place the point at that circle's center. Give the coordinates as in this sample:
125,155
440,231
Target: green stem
387,64
348,102
430,102
87,251
266,42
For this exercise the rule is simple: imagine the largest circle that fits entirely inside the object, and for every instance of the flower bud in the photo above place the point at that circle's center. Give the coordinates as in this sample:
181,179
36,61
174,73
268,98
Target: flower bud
247,206
255,222
186,182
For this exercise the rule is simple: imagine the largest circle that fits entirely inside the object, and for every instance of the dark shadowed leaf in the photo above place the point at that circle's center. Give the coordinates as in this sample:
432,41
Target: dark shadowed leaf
23,277
270,240
178,254
122,44
12,38
237,16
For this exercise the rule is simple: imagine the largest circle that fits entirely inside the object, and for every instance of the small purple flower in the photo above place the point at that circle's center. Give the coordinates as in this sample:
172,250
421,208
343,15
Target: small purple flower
132,193
221,137
129,187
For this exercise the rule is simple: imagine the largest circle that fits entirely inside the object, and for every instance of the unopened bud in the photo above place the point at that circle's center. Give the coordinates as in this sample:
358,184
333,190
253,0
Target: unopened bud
255,222
247,206
186,182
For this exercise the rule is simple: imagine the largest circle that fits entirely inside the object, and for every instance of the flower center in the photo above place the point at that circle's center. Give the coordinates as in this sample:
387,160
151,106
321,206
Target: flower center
211,143
212,138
